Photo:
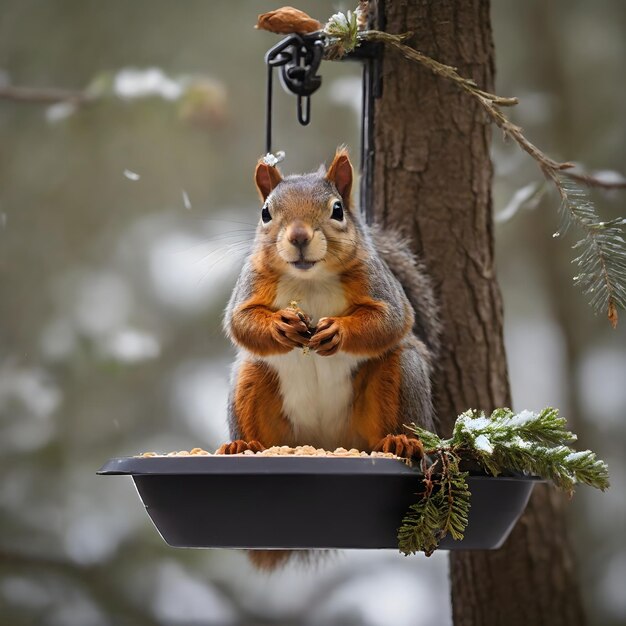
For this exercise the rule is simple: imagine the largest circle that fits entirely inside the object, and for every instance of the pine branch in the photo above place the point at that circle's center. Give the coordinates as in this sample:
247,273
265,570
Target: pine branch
535,444
456,491
421,526
430,440
545,428
602,254
443,508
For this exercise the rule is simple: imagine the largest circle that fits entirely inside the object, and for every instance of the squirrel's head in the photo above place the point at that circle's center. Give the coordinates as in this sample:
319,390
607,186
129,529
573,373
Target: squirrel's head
307,222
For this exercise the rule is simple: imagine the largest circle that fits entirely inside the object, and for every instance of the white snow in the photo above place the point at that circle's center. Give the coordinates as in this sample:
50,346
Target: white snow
574,456
273,159
131,175
471,424
522,418
186,200
521,443
483,444
135,83
337,21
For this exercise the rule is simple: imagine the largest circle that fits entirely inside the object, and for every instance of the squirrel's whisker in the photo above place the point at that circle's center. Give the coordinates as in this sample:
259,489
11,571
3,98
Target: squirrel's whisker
225,249
210,240
238,254
194,218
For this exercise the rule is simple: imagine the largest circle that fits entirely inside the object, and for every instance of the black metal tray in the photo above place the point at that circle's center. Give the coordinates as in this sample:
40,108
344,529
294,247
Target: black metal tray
303,502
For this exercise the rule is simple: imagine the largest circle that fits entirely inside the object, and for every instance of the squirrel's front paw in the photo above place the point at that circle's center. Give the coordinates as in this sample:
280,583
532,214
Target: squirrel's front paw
289,329
239,446
328,337
401,445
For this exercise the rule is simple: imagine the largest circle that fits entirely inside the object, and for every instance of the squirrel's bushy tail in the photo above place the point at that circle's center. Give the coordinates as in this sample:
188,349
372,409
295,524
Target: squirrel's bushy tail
272,560
269,560
395,250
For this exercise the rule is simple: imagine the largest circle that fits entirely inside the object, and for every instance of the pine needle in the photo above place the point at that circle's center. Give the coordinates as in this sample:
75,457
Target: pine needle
601,259
535,444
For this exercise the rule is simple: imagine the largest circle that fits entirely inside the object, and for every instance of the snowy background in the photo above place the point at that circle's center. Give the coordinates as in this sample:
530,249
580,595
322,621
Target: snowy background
122,228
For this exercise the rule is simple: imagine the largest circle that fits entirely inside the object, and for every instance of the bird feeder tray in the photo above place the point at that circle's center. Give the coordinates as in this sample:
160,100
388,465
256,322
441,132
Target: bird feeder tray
295,502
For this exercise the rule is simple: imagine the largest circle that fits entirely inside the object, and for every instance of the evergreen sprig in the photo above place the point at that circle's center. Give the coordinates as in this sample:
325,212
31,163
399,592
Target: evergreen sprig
536,444
443,508
421,526
601,259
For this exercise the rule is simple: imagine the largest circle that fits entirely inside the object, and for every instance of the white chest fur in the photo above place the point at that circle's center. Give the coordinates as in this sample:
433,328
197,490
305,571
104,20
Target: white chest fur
316,390
321,296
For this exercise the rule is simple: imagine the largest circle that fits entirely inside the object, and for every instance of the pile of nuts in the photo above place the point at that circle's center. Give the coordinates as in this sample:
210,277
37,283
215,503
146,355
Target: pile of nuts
194,452
285,451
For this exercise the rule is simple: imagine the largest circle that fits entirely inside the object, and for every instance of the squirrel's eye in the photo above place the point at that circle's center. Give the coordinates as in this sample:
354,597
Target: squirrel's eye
265,215
337,211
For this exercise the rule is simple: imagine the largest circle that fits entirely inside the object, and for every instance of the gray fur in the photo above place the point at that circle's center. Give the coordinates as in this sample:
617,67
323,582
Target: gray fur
395,251
421,347
415,388
241,293
233,423
385,287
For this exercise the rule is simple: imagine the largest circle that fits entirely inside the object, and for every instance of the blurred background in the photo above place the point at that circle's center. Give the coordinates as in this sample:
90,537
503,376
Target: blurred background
122,227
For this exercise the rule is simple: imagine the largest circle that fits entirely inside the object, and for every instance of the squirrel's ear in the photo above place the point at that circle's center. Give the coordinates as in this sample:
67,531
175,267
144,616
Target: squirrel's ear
266,178
340,174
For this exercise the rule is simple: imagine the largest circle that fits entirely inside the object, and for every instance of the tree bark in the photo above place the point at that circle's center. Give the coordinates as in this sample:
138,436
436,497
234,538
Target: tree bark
432,179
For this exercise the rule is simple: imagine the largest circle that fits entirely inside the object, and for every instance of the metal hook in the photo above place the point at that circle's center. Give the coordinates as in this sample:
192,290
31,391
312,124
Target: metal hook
299,57
305,118
268,110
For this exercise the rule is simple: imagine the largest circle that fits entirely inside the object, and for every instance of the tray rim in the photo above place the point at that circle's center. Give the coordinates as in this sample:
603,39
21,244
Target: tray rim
206,465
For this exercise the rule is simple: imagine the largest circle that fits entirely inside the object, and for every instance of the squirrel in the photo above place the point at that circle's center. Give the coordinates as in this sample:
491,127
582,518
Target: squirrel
351,363
335,323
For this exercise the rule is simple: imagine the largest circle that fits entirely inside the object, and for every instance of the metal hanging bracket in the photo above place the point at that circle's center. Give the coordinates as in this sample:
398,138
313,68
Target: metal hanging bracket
299,58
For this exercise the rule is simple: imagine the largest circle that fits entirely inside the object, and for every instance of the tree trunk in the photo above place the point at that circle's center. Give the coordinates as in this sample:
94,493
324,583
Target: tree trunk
432,178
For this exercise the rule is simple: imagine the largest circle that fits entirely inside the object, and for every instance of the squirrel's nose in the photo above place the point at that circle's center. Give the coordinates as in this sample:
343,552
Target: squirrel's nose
299,235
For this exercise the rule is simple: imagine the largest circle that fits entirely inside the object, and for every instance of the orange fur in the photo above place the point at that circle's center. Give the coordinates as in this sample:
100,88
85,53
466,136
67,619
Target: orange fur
269,560
340,174
363,326
258,405
376,403
363,331
266,178
252,322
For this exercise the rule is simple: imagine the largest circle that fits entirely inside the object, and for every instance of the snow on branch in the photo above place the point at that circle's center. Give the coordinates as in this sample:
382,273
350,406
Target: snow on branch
525,443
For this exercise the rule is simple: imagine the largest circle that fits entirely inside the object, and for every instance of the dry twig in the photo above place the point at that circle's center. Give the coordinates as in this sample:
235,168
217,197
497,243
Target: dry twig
43,95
